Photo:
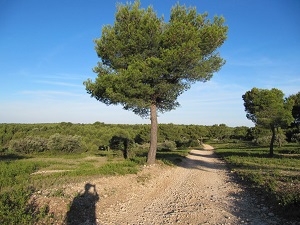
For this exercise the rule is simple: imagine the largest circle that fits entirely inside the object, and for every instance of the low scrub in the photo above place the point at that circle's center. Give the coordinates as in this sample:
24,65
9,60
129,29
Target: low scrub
278,177
15,192
56,142
18,181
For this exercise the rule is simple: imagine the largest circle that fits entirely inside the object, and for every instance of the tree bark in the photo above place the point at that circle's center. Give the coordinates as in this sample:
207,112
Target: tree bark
272,142
153,136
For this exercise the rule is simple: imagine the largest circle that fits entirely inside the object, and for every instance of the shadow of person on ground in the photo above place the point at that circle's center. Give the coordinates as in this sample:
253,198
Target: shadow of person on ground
83,207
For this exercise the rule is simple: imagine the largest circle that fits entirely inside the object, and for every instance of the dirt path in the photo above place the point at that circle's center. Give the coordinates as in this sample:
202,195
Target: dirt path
199,191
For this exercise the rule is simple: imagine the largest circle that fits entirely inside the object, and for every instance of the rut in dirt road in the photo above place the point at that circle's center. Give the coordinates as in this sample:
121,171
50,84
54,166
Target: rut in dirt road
198,191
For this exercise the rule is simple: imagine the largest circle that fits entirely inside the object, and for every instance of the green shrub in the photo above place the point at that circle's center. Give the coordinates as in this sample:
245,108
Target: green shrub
14,208
65,143
277,177
194,143
182,143
266,140
16,172
29,144
139,160
263,141
122,168
167,145
57,142
15,192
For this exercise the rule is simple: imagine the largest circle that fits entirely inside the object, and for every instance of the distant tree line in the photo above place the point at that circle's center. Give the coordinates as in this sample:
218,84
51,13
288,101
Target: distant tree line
68,137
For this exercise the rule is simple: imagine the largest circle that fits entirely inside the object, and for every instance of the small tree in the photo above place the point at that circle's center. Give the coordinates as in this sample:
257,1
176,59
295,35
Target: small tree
220,132
120,142
268,109
147,63
240,132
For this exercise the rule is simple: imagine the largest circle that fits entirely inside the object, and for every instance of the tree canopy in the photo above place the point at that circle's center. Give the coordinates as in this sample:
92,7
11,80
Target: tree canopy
268,109
146,63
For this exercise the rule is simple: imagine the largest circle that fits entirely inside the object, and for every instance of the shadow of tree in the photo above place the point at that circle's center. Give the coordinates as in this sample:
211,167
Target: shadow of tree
200,163
11,157
83,207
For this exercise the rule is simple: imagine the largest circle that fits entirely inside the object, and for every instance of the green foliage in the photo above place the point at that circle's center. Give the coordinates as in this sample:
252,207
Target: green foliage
265,140
65,143
167,145
241,133
15,192
140,160
194,143
29,144
88,137
126,167
14,207
119,142
16,172
57,142
147,61
183,143
111,168
220,132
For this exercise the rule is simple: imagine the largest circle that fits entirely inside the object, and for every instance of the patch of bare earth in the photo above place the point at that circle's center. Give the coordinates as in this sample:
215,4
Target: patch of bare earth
198,191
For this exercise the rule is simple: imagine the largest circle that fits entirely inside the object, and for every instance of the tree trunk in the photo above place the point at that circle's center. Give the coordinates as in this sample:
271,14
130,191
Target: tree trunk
272,142
153,136
125,151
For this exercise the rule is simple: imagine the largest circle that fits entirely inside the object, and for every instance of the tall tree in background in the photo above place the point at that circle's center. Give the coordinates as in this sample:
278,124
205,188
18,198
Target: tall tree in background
146,63
268,109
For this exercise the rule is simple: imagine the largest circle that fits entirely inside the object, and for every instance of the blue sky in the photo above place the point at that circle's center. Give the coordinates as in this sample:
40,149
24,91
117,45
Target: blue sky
47,51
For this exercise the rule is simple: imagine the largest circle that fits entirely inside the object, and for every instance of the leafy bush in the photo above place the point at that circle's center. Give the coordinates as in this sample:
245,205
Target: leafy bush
57,142
182,143
16,172
167,145
263,141
29,145
266,140
65,143
139,160
15,192
14,208
194,143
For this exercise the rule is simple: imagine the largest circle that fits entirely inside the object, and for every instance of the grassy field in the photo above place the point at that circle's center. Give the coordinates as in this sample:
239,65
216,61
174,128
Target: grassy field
277,178
22,175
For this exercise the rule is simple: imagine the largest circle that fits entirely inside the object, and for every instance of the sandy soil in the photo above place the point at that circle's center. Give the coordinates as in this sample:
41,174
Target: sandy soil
198,191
